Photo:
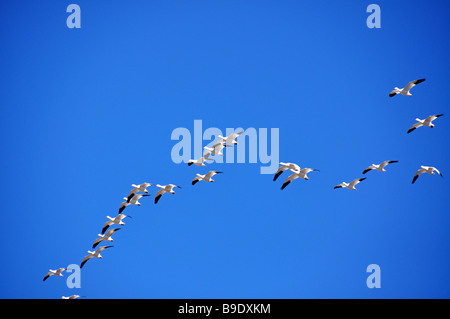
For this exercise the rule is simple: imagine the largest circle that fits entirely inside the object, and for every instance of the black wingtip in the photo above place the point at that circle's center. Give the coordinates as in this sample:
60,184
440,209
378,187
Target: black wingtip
284,185
276,176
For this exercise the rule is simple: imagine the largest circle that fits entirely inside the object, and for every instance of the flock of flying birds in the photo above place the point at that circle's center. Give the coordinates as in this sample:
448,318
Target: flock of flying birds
230,141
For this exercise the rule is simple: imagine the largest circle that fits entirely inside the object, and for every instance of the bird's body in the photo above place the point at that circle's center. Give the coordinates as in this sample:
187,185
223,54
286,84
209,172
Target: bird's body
350,185
52,272
138,188
117,221
298,174
285,166
425,169
105,237
426,122
379,167
206,177
93,254
406,89
164,189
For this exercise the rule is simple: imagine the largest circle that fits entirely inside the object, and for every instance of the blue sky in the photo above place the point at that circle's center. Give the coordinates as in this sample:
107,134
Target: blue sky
87,112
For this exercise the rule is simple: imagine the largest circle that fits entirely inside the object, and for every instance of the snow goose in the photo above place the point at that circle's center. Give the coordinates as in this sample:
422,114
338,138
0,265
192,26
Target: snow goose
351,185
94,254
132,201
425,169
106,237
427,122
206,178
230,139
164,189
71,297
138,188
285,166
379,167
117,221
405,90
52,272
198,162
299,174
216,148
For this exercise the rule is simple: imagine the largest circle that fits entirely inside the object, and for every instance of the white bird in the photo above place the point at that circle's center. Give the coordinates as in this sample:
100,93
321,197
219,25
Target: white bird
132,201
138,188
299,174
94,254
206,178
285,166
425,169
379,167
164,189
52,272
427,122
117,221
351,185
71,297
405,90
230,139
106,237
198,162
216,148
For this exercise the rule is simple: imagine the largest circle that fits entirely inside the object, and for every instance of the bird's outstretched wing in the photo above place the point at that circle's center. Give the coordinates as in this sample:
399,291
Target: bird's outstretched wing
412,128
411,84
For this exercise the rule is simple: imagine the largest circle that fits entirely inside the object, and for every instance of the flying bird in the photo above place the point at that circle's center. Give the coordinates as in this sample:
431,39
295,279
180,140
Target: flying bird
94,254
405,90
117,221
71,297
206,178
106,237
230,139
285,166
216,148
350,185
52,272
198,162
379,167
164,189
427,122
138,188
133,201
301,174
425,169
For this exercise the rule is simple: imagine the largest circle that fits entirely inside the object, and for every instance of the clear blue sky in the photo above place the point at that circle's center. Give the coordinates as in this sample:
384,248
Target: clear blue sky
87,112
